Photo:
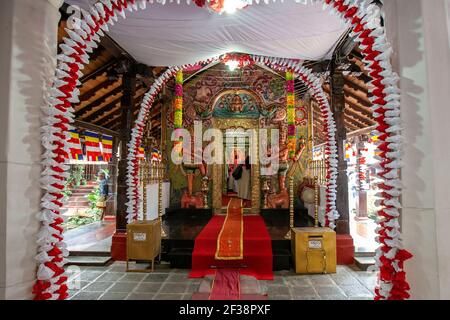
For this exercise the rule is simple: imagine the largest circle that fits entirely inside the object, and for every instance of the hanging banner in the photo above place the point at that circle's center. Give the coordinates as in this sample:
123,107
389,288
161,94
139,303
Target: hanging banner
76,151
141,153
107,147
92,142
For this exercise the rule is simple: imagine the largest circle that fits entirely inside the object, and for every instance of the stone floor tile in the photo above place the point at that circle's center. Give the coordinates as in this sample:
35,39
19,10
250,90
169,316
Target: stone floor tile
345,279
114,296
123,287
335,297
169,296
85,295
177,277
303,292
356,291
280,297
301,281
100,286
321,280
193,287
156,277
174,288
148,287
133,277
111,276
90,275
141,296
315,297
277,290
324,291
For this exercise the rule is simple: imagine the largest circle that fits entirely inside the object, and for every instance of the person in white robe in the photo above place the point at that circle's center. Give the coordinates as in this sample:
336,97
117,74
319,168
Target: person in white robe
244,183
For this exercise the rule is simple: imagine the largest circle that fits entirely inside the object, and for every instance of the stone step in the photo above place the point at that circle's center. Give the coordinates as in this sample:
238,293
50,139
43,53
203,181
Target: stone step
88,260
363,263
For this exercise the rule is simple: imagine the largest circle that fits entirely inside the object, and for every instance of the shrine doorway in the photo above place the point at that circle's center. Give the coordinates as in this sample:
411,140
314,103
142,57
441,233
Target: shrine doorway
234,128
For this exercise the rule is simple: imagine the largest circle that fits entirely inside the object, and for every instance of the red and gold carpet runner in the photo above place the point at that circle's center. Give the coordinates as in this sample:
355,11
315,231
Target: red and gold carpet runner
230,241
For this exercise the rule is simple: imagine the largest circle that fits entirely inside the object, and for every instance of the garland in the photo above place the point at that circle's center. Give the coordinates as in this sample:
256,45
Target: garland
290,105
364,18
178,111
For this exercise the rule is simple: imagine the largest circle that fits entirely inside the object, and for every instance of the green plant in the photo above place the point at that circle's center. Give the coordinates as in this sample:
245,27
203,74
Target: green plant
94,197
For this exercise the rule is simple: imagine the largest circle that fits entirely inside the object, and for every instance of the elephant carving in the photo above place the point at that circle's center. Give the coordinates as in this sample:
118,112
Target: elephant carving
279,200
192,201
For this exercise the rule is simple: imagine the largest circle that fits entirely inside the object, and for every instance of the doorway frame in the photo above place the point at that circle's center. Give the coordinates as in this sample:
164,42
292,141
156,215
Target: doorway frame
218,169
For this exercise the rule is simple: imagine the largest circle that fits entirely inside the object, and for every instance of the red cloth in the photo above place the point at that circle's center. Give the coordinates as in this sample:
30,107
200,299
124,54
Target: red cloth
257,250
226,285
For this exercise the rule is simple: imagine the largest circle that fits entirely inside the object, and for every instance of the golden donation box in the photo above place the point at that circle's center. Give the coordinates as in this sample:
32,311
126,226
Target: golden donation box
314,250
143,241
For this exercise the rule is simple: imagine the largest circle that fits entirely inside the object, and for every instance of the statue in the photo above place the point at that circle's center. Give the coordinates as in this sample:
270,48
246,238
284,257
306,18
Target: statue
281,199
190,199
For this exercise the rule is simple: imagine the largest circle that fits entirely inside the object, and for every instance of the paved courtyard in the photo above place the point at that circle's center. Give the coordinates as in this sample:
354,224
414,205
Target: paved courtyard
113,283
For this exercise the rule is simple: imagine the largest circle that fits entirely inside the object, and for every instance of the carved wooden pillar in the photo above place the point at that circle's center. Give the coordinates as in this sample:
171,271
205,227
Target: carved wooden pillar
118,248
338,106
127,105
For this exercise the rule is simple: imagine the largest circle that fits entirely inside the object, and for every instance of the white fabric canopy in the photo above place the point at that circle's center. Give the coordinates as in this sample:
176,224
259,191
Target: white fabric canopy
175,34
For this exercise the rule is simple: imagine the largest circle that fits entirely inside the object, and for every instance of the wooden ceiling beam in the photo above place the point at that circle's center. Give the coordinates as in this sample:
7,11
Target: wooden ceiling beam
104,109
116,110
104,68
98,102
91,92
350,111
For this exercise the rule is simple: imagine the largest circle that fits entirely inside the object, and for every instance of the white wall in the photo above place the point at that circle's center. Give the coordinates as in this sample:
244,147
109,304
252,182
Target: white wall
28,30
418,29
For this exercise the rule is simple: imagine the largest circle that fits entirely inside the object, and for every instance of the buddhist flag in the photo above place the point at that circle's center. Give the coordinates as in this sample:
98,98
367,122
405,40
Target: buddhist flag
141,153
155,155
107,147
92,142
76,151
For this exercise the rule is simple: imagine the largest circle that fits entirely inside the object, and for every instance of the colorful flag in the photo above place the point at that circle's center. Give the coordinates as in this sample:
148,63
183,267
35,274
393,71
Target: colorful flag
107,147
76,151
155,155
141,153
92,142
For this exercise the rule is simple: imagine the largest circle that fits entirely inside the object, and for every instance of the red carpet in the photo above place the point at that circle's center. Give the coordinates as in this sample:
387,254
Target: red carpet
226,199
257,260
230,240
226,285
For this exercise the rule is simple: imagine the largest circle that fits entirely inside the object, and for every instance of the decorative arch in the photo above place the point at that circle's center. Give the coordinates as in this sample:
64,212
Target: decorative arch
361,15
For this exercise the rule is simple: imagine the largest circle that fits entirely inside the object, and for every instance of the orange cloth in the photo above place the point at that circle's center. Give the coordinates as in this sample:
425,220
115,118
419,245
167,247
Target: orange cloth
230,241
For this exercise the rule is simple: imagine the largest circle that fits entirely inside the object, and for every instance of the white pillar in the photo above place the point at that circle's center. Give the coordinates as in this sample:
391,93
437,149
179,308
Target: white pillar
419,31
28,32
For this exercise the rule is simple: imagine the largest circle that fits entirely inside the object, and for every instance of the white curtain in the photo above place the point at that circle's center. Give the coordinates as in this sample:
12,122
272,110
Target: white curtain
176,34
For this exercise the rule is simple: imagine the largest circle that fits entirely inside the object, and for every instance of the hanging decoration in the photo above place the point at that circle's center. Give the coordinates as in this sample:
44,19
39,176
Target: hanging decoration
178,112
141,153
237,61
76,150
107,147
290,105
221,6
92,142
301,118
365,19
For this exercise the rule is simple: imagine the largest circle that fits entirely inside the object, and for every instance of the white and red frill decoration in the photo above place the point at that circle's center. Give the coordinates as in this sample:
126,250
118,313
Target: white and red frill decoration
365,19
58,114
315,85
